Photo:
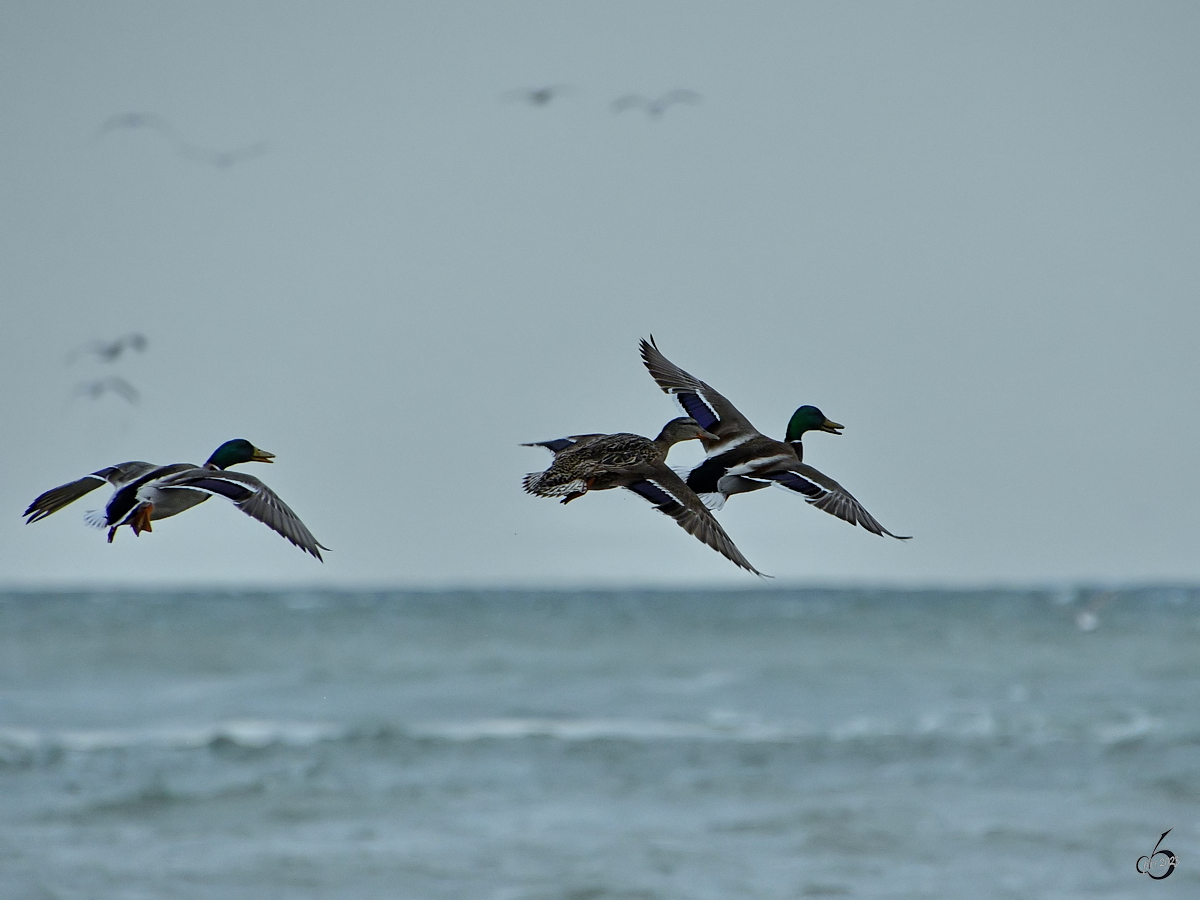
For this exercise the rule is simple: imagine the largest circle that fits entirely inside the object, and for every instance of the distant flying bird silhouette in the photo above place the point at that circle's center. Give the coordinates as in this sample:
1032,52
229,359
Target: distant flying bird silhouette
113,384
539,96
655,107
108,351
220,159
153,121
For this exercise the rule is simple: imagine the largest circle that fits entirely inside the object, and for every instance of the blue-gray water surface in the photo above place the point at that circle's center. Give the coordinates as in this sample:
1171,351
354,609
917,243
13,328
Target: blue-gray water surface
594,745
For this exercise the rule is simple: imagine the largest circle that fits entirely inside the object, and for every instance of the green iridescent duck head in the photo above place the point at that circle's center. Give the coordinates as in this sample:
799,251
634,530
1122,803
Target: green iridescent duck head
236,452
809,418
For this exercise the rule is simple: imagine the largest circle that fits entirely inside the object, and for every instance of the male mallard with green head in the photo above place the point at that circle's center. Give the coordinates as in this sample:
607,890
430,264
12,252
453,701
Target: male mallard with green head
600,462
145,492
740,458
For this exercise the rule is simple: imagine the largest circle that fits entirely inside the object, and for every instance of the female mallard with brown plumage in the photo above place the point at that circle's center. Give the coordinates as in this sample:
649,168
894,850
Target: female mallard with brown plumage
600,462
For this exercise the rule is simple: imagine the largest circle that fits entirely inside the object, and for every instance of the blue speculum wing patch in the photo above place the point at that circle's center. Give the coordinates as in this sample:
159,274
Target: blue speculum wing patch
557,445
797,483
662,500
698,409
703,479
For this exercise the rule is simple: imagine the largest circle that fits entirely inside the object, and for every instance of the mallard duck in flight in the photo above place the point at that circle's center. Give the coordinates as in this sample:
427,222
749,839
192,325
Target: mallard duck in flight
145,492
741,459
600,462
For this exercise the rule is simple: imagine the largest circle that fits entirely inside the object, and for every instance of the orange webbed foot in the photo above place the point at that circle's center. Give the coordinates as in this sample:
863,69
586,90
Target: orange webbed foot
141,520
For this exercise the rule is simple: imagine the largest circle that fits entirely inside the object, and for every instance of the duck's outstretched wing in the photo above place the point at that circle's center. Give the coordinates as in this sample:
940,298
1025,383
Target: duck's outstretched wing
53,500
699,400
827,495
558,445
253,498
670,496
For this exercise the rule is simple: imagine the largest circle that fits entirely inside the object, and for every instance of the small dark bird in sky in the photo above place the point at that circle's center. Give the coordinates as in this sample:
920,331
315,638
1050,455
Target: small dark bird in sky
153,121
113,384
110,351
219,159
655,107
539,96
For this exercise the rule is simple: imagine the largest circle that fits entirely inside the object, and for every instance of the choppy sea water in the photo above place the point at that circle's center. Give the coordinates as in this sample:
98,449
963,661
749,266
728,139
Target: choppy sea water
584,746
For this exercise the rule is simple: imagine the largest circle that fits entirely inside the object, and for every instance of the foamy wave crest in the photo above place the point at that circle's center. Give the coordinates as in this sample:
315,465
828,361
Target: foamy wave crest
23,746
980,726
16,743
718,727
590,730
1134,729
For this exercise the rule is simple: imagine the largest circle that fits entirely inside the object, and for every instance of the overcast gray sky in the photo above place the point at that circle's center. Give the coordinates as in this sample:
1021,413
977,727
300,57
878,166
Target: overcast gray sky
968,232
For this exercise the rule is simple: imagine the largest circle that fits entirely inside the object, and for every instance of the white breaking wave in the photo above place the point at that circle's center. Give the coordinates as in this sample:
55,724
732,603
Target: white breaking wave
719,726
596,729
250,733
